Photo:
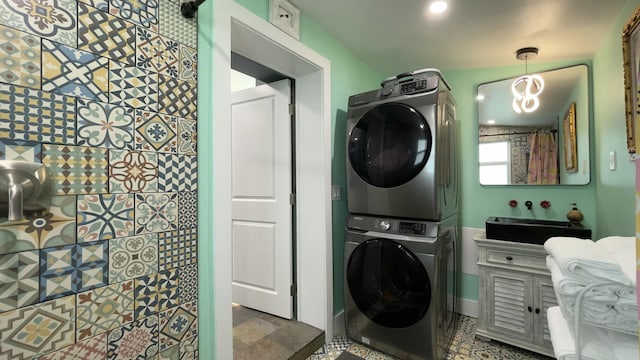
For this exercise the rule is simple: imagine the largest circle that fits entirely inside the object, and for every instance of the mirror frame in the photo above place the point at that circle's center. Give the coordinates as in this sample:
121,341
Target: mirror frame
569,165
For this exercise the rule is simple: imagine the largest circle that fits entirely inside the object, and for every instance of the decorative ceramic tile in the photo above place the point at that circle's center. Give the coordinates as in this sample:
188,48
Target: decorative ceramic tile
156,52
133,171
178,323
20,150
146,296
189,348
187,136
72,72
133,86
104,308
156,212
69,269
77,169
177,248
94,348
104,125
106,35
176,26
19,274
141,12
177,97
132,257
51,19
37,329
52,121
19,58
188,173
340,343
102,217
188,69
155,132
167,289
92,263
177,172
57,272
137,340
98,4
41,229
187,209
188,286
172,353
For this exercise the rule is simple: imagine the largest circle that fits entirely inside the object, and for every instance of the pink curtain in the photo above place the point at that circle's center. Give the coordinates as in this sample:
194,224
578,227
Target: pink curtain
543,159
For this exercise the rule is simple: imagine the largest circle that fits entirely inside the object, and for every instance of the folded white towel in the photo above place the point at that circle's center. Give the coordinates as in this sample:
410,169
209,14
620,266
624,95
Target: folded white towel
583,260
601,305
623,251
562,338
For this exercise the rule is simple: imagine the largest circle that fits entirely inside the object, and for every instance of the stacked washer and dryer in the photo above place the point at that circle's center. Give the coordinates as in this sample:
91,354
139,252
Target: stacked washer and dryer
402,228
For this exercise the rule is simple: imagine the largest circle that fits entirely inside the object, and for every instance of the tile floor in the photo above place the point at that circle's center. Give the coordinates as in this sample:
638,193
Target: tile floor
257,335
465,346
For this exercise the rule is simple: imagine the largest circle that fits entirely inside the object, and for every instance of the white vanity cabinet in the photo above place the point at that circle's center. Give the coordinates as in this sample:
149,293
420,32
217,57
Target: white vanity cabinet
515,293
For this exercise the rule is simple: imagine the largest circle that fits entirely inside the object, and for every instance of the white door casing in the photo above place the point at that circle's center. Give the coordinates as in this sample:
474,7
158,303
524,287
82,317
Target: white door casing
261,212
237,29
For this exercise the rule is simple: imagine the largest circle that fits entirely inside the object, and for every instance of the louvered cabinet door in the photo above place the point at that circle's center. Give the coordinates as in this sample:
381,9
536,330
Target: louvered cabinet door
509,295
544,298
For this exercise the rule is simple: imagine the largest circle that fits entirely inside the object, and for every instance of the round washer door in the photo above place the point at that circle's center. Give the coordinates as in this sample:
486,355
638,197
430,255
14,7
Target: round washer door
389,145
388,283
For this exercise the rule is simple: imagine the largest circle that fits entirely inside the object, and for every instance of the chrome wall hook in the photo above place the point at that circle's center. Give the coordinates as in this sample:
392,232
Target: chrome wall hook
24,187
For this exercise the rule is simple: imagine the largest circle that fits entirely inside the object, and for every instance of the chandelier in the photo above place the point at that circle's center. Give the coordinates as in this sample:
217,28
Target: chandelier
526,88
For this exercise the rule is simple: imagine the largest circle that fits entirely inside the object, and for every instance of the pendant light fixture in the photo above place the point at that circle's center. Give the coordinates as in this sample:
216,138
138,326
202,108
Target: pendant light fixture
526,88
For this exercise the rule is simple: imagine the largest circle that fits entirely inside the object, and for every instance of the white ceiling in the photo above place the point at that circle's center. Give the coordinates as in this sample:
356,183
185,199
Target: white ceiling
395,36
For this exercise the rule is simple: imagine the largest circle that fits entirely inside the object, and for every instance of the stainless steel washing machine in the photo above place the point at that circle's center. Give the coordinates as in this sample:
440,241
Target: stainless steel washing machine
402,150
400,282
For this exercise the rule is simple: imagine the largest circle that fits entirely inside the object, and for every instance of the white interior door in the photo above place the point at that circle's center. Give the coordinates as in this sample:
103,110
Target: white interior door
261,187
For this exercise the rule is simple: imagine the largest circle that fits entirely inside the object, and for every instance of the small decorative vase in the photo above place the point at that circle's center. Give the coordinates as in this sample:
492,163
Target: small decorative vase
574,215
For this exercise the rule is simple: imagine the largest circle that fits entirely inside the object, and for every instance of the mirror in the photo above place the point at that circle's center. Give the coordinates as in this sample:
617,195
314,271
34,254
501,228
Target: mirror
547,146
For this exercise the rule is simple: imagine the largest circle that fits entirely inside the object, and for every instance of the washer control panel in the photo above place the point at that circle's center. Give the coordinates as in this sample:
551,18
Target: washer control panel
392,226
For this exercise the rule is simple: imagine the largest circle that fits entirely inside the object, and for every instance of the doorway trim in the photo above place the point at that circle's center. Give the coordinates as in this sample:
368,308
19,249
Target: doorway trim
238,29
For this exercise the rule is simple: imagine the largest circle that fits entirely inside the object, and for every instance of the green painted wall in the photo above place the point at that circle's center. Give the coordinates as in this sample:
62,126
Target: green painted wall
615,192
206,316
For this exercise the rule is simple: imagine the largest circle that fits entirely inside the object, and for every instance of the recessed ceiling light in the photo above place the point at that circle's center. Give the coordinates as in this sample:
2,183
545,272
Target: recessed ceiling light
491,122
438,7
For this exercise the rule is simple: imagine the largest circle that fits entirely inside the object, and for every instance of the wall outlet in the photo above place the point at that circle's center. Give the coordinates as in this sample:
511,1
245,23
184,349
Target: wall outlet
336,192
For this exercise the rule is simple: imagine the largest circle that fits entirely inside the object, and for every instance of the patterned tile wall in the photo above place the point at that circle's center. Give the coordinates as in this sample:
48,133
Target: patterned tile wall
103,93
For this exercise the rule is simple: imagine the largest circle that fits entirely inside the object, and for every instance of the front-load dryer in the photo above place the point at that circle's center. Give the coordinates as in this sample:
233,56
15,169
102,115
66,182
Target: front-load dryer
401,149
400,281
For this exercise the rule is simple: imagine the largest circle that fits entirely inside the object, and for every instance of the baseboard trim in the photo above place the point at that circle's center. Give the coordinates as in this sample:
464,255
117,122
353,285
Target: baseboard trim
468,307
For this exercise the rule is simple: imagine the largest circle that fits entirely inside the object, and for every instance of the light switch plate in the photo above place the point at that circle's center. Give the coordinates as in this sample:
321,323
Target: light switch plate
612,160
285,16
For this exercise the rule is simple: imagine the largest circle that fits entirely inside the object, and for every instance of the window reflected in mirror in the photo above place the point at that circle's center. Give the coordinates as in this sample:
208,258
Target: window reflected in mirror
529,148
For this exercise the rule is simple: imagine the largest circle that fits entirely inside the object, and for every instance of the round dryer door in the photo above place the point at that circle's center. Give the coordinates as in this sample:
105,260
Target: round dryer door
388,283
389,145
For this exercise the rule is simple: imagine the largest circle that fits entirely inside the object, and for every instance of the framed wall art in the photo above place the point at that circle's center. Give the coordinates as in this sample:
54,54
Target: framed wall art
631,64
570,146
